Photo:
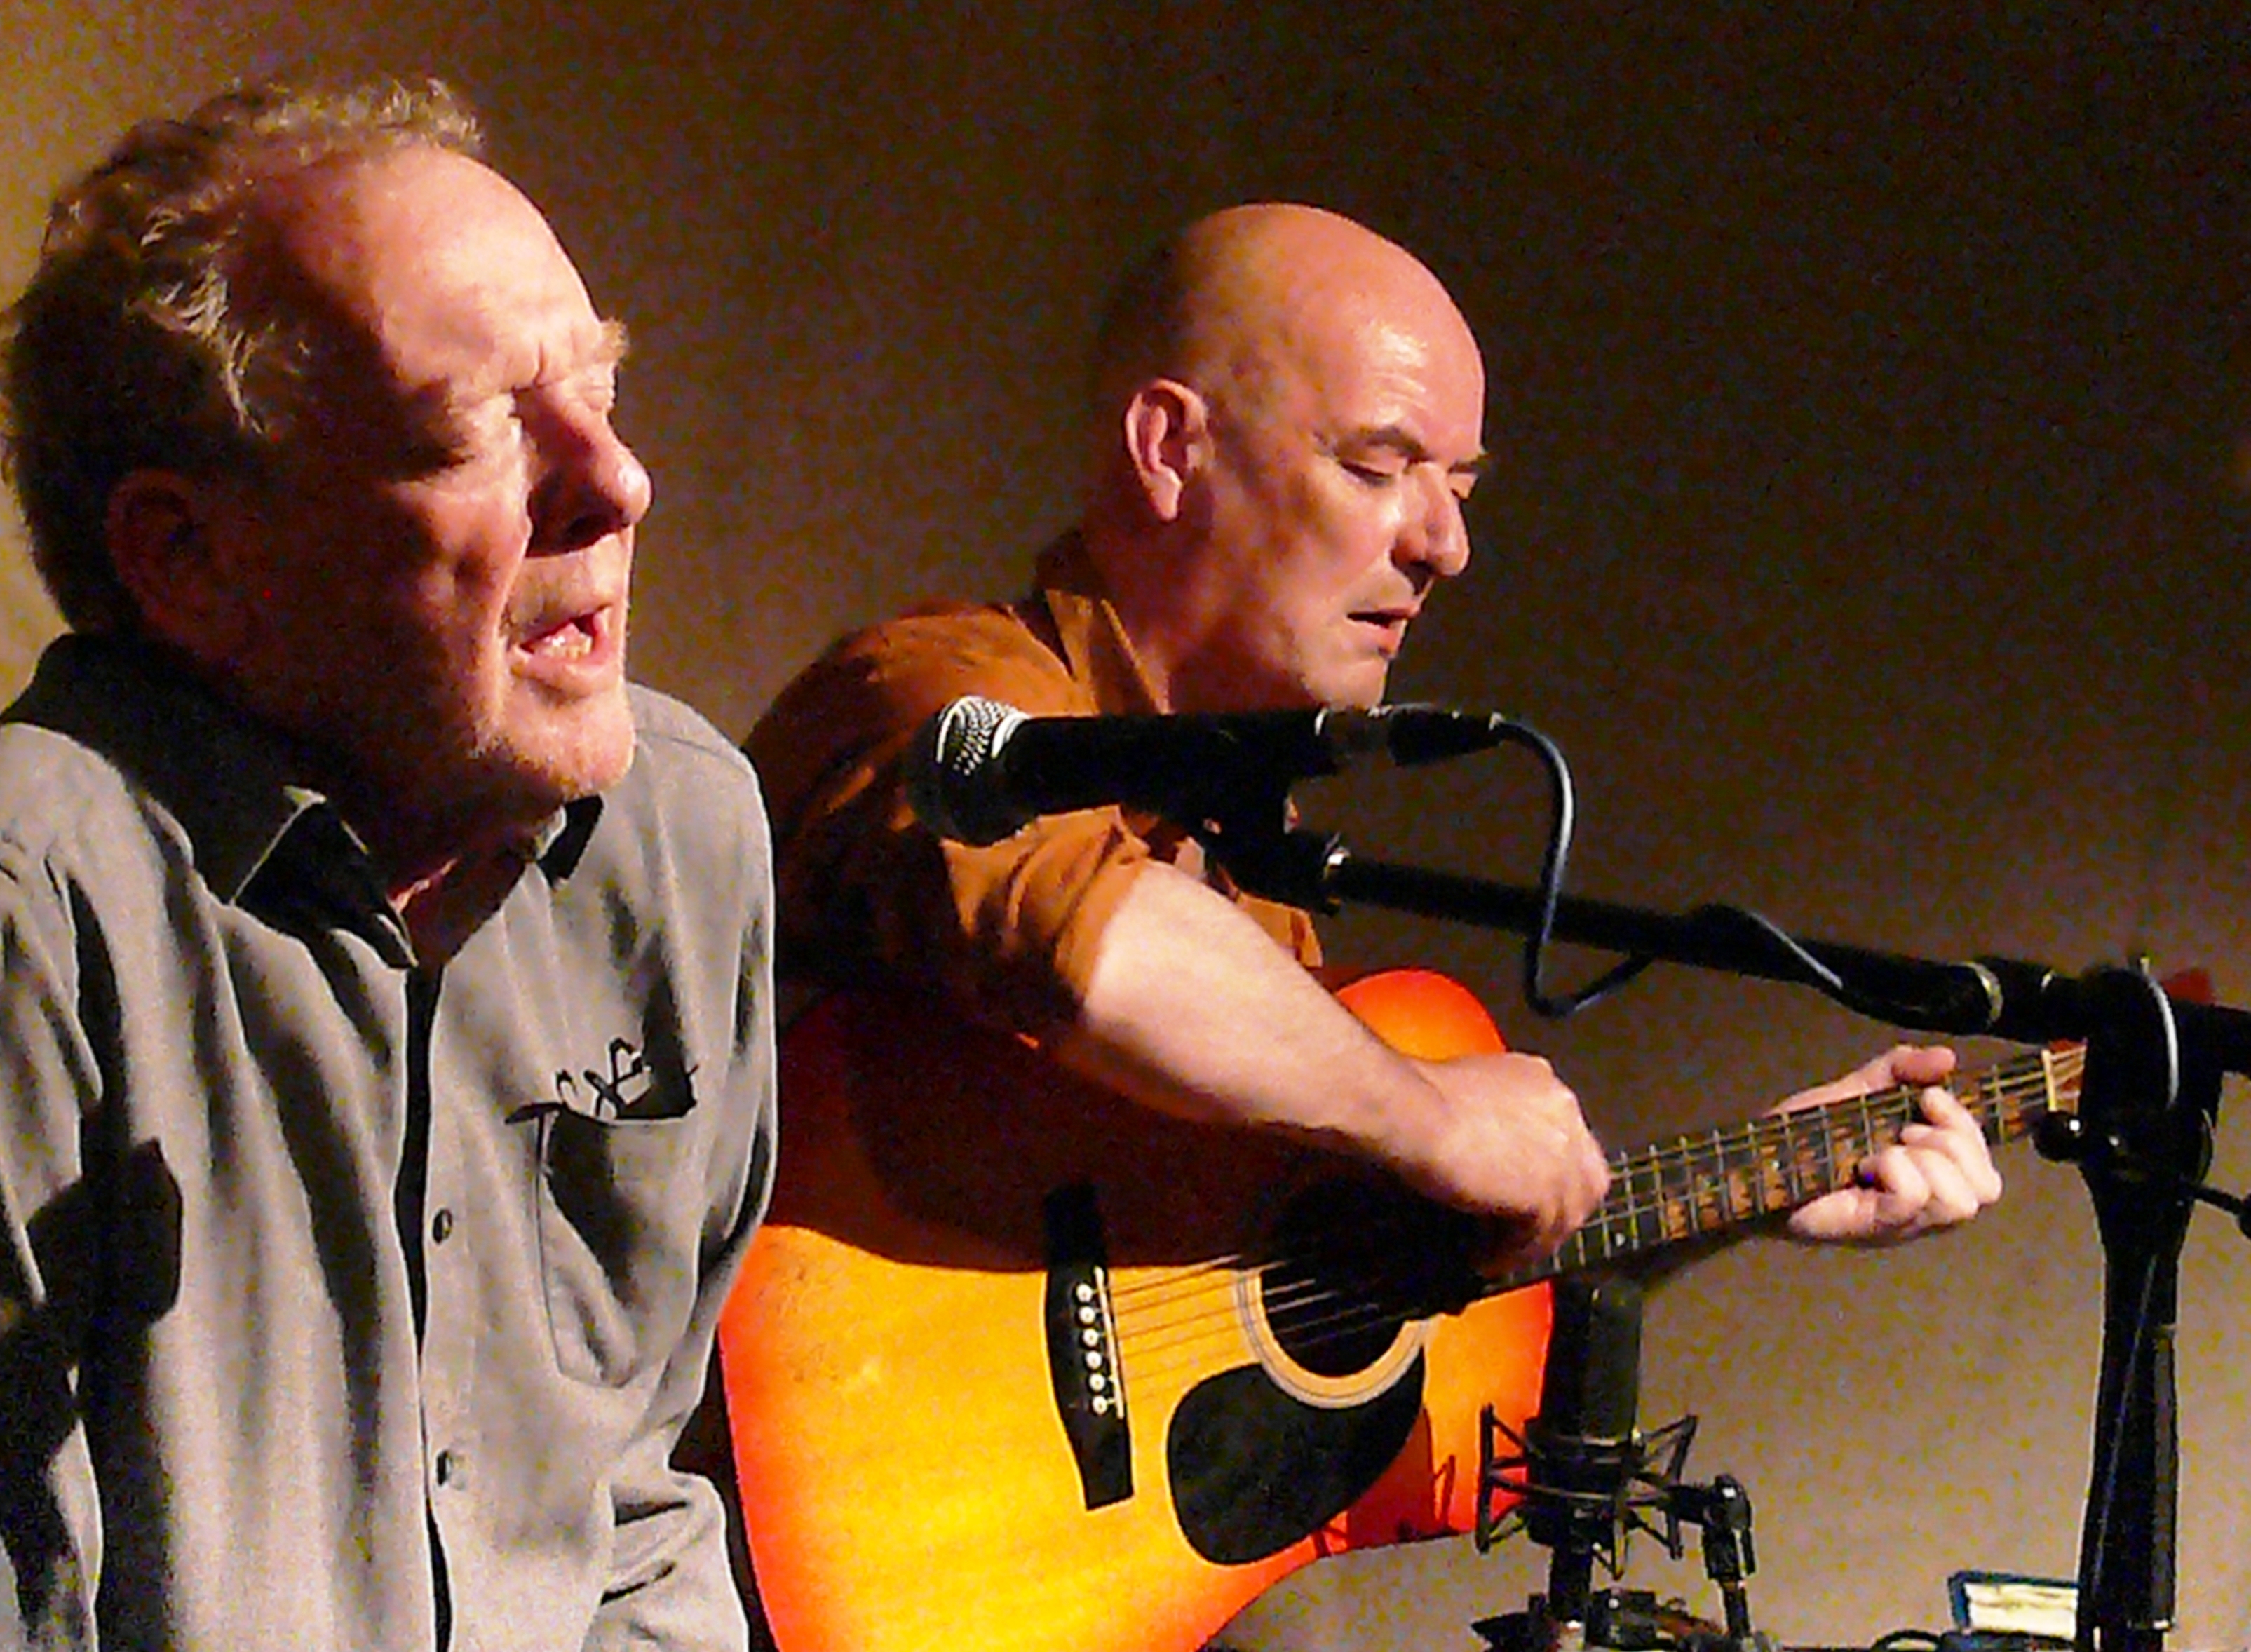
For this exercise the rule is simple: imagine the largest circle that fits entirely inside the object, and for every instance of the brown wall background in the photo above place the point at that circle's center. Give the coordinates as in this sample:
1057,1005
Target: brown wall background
1868,530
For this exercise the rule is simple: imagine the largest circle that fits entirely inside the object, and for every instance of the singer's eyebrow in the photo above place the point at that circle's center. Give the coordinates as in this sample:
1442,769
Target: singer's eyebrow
447,411
1405,443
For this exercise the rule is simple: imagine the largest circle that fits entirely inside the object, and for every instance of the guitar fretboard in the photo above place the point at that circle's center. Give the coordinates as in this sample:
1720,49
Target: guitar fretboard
1703,1183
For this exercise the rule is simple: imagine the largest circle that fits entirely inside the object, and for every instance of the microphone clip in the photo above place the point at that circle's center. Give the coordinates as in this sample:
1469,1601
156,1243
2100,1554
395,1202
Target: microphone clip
1610,1491
1632,1485
1274,858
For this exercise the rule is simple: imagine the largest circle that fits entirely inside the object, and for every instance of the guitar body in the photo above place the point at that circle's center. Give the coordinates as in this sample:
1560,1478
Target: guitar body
1012,1366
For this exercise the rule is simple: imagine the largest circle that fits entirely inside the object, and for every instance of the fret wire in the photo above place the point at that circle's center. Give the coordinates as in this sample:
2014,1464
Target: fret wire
1649,1207
1754,1178
1660,1223
1672,1192
1617,1211
1723,1186
1696,1173
1694,1183
1701,1182
1773,1140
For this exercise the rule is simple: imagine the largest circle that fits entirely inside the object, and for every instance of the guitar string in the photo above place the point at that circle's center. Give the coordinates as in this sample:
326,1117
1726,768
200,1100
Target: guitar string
1666,1198
1359,1314
1633,1202
1321,1318
1650,1165
1212,1311
1627,1210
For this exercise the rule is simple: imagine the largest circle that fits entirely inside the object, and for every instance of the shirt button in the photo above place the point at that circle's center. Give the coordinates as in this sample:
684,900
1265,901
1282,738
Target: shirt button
441,1226
445,1468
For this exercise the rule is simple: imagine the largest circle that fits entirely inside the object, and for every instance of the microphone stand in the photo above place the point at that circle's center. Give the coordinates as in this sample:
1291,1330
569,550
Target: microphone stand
2142,1140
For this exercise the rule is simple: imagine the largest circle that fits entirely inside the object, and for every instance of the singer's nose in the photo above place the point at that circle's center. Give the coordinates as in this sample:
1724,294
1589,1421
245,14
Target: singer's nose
1435,539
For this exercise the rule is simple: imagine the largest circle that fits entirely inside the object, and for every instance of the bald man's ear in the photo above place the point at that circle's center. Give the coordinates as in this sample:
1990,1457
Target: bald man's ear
1167,434
160,529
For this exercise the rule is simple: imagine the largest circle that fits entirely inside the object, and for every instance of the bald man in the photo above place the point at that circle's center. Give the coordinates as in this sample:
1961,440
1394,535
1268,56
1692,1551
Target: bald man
1286,423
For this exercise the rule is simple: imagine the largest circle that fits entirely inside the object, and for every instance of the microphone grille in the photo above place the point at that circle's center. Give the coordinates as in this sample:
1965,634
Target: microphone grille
950,778
1589,1388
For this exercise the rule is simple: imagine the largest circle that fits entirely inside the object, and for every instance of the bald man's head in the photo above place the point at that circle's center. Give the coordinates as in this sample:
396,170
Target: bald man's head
1226,302
1287,417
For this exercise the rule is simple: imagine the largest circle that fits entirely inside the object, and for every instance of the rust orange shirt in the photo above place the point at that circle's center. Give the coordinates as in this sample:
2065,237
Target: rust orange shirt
1008,932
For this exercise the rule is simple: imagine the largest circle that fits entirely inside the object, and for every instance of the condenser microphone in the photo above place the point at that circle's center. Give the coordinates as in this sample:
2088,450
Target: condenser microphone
980,771
1582,1451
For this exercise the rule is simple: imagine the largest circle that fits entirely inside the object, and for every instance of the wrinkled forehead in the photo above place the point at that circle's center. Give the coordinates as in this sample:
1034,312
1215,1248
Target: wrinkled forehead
1346,354
428,258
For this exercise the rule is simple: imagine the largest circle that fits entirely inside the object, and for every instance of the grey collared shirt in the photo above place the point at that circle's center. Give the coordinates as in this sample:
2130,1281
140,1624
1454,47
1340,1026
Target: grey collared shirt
344,1303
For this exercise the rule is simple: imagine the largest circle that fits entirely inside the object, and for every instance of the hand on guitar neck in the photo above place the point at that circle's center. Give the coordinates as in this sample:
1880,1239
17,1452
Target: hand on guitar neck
1936,1174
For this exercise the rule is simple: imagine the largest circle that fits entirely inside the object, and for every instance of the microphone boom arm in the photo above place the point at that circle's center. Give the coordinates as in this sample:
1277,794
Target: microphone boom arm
1990,997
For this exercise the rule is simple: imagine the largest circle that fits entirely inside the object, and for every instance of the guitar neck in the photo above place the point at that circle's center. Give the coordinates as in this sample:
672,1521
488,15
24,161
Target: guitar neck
1701,1185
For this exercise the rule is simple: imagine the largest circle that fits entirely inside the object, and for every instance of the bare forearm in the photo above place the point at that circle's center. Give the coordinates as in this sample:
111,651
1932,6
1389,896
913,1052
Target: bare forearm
1191,1009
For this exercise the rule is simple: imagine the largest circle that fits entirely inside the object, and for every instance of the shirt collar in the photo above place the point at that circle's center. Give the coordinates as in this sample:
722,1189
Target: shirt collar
1093,640
233,783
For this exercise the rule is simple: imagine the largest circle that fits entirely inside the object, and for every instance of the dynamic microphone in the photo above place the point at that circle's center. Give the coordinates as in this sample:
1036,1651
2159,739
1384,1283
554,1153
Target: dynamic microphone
1582,1451
980,771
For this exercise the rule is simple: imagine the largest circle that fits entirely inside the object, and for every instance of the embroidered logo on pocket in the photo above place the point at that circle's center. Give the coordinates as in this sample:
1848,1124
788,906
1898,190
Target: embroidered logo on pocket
626,1091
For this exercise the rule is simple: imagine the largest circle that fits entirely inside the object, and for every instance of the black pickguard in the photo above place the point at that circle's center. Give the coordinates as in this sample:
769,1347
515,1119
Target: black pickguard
1255,1469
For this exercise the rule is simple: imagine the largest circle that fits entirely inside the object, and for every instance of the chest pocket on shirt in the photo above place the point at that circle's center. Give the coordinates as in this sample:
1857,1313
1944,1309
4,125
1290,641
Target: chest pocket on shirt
618,1225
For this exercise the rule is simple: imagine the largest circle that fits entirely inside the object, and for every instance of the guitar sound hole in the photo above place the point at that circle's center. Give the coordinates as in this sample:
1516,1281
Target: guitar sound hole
1355,1263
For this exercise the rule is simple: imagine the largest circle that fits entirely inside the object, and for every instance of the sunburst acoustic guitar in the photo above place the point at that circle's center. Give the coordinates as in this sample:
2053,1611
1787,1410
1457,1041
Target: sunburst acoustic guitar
1017,1366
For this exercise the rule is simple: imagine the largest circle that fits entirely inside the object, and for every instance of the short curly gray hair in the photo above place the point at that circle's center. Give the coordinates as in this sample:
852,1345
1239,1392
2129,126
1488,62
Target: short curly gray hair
128,350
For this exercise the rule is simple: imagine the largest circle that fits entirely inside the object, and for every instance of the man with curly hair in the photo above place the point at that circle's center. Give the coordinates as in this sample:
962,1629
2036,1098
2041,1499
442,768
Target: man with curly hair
385,1031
